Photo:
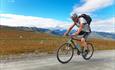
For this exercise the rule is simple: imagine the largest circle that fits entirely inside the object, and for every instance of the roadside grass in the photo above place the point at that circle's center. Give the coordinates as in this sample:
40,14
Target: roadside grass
18,42
27,46
102,44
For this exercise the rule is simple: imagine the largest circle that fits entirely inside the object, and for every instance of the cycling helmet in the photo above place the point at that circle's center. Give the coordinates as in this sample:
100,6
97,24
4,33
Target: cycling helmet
74,16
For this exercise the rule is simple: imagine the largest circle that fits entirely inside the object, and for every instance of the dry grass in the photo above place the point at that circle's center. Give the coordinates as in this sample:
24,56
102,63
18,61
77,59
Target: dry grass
16,42
101,44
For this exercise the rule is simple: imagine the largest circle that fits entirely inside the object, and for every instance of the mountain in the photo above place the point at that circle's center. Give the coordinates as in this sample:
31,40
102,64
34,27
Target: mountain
94,34
60,31
103,35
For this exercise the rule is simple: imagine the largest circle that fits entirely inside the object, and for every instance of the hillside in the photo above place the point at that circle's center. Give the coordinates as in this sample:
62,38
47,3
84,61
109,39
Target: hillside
60,31
16,41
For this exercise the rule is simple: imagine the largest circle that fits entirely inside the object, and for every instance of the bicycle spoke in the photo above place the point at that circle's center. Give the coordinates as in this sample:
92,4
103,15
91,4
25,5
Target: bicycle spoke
87,53
65,53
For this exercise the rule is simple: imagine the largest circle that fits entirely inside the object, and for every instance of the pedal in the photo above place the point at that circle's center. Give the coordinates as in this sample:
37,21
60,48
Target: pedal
78,52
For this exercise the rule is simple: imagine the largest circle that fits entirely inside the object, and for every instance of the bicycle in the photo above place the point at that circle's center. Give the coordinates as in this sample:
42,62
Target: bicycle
66,51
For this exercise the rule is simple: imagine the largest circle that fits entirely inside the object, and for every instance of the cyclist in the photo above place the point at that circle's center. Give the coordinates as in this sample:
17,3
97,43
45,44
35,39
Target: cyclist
83,28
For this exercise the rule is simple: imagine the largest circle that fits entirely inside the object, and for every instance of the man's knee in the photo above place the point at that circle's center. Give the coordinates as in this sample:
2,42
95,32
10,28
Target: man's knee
82,40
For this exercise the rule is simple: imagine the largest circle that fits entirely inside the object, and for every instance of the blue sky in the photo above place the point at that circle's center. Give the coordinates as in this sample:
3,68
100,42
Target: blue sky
57,9
60,10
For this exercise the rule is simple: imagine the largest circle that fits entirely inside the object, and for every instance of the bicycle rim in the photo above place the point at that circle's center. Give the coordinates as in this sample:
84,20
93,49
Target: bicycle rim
87,54
65,53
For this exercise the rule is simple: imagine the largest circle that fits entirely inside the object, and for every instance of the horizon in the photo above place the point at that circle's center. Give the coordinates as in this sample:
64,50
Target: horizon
49,28
56,13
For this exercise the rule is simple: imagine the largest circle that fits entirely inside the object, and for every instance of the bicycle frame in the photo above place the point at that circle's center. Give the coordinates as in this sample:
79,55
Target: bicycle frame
70,41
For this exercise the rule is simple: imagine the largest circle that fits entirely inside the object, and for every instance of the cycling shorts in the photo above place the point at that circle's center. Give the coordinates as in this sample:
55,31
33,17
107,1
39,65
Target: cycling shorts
84,34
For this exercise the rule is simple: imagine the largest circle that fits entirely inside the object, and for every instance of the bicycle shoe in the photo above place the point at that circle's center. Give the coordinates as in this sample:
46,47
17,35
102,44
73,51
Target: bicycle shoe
85,53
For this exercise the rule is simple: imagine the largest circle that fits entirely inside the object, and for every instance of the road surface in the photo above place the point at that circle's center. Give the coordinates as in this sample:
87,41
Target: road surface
101,60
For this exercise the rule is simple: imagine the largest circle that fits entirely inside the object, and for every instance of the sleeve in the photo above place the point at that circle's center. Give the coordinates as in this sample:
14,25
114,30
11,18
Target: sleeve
82,20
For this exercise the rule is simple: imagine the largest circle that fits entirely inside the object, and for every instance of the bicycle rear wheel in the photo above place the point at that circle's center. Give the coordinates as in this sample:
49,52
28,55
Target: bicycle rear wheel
87,53
65,53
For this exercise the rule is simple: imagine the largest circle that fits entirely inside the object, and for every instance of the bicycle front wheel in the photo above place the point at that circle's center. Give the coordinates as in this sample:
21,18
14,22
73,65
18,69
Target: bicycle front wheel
65,53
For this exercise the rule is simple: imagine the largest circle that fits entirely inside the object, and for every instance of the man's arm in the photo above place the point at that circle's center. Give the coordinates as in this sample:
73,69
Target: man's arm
82,21
79,29
69,29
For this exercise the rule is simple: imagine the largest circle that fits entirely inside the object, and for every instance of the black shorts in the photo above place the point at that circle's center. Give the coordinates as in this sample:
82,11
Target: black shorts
85,34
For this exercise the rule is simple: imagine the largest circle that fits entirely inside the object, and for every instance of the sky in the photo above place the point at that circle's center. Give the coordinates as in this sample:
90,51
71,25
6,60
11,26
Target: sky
56,13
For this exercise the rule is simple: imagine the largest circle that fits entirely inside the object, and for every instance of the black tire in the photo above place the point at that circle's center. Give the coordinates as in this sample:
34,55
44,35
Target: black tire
67,53
87,54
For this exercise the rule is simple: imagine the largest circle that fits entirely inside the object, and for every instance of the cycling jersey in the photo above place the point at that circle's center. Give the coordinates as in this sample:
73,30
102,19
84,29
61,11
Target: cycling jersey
86,27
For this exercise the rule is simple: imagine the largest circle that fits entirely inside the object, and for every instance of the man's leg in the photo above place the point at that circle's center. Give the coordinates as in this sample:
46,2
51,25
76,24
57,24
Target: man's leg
83,42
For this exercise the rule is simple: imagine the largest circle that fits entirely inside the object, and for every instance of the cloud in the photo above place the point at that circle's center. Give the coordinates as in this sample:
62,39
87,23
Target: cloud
106,25
91,5
30,21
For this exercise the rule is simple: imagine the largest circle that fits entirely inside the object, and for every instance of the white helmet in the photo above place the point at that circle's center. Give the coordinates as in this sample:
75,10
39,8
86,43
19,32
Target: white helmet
74,16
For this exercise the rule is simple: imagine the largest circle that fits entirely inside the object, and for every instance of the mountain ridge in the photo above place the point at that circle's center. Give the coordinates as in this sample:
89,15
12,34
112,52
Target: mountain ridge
60,32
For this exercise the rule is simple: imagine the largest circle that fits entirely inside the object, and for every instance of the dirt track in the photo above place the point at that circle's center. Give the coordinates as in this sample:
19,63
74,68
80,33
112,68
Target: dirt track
101,60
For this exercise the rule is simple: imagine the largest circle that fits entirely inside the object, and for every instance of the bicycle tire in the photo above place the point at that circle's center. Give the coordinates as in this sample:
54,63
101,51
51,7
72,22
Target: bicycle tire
59,56
92,51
